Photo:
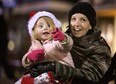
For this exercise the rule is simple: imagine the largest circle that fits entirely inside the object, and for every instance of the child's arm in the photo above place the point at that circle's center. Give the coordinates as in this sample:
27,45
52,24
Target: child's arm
65,41
31,56
36,55
25,61
58,35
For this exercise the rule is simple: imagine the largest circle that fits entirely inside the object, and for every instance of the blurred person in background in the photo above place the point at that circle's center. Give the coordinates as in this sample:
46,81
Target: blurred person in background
90,53
3,45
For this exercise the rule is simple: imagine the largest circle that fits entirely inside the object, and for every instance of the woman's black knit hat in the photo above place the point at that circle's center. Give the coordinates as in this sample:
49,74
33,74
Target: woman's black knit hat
86,9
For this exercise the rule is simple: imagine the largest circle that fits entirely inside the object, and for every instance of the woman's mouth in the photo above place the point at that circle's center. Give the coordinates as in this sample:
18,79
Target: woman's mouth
77,29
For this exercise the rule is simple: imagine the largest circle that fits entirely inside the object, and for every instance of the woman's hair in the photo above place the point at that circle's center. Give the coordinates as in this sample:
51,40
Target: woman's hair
50,24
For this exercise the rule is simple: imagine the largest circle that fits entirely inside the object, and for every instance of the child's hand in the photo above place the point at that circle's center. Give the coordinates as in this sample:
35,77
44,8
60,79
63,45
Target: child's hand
36,45
36,55
58,35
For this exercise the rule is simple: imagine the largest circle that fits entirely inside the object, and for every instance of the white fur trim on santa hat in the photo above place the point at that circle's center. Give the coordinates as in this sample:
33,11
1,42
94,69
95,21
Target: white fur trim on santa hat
35,17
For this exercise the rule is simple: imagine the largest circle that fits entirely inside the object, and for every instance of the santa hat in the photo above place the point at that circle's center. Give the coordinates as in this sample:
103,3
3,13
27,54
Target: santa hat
35,17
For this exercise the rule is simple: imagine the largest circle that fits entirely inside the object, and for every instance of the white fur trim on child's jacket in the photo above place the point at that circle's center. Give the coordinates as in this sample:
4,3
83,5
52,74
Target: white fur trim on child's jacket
35,17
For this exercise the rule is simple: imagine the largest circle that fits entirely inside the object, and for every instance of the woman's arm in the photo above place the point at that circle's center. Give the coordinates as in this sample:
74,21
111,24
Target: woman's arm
92,69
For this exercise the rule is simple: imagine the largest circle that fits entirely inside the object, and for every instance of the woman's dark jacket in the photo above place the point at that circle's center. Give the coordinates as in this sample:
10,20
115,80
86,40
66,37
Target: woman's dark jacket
92,57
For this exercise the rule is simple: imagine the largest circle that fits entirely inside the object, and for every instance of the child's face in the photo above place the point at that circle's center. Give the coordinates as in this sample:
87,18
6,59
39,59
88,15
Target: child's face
43,30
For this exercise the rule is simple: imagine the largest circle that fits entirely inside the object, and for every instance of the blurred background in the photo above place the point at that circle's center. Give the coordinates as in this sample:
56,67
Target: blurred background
14,37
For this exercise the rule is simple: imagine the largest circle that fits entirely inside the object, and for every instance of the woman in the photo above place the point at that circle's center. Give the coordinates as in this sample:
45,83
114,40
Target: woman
90,53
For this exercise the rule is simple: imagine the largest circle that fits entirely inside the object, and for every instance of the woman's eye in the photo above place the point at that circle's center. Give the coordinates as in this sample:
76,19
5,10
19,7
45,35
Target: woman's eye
73,19
82,19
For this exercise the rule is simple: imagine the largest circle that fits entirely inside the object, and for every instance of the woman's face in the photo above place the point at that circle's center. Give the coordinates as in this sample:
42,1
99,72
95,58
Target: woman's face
79,25
43,30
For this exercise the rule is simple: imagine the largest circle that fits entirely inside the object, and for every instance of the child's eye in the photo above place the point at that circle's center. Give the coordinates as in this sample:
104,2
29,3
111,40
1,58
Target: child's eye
40,26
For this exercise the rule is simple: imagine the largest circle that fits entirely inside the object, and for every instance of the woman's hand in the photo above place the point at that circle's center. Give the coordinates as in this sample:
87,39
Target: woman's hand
42,67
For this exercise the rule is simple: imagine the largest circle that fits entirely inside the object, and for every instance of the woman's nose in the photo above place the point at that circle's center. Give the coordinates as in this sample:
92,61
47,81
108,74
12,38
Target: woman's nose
77,22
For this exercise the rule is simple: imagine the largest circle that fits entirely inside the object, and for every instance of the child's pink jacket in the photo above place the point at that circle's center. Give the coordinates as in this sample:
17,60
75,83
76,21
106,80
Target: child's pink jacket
54,51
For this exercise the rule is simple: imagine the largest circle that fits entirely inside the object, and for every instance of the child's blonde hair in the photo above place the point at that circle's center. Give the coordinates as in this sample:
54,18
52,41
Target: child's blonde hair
49,22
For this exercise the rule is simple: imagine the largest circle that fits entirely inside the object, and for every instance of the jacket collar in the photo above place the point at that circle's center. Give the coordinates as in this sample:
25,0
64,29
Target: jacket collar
88,39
